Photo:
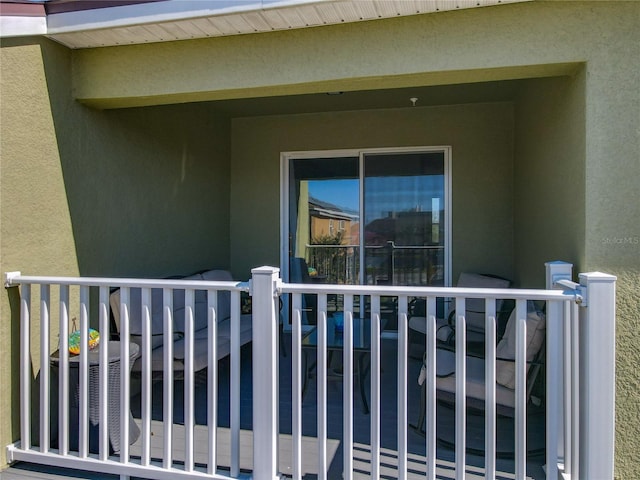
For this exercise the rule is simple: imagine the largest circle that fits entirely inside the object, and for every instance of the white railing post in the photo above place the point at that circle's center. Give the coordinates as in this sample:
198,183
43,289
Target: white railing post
555,271
597,376
264,307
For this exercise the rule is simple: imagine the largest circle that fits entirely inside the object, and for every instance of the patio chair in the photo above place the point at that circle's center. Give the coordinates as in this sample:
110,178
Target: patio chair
475,369
299,273
474,314
200,360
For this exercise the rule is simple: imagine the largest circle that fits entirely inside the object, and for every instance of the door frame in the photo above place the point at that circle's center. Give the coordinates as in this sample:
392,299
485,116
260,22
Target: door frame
285,157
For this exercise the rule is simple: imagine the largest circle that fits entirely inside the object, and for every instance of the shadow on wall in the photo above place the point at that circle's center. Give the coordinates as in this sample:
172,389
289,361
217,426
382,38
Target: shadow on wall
13,295
147,188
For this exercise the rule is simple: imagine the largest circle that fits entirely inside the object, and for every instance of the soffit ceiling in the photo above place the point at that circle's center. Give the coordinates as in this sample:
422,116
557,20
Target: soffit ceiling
155,21
170,20
426,96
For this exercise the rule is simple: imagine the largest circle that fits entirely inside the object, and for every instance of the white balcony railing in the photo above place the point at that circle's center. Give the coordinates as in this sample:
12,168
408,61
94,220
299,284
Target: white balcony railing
113,398
580,355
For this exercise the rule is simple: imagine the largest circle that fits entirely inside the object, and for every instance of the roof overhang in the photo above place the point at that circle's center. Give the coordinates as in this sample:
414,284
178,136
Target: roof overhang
133,22
19,19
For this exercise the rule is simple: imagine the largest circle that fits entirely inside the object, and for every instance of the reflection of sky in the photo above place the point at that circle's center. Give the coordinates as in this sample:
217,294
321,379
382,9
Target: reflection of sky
383,194
342,193
401,194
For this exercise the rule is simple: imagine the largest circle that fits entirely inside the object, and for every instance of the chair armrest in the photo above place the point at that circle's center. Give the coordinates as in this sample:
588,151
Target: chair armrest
474,349
502,315
476,353
245,303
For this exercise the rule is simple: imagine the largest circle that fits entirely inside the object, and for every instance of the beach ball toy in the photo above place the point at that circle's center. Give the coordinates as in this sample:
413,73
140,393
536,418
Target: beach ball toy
74,341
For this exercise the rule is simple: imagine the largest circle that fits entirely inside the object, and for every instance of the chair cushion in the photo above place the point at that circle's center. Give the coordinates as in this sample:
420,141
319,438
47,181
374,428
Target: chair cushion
481,281
476,306
506,370
475,375
224,297
157,316
200,343
419,324
135,313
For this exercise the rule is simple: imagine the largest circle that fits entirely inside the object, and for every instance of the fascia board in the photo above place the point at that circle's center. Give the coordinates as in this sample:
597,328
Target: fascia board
158,12
20,26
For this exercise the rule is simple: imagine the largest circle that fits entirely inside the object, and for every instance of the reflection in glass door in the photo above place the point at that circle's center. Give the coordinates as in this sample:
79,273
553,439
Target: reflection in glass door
369,217
324,220
404,228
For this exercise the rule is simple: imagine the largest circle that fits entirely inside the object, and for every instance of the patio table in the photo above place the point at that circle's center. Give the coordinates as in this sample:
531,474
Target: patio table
94,395
335,343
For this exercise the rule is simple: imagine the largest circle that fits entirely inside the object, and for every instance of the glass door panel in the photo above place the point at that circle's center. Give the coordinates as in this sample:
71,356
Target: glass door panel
404,218
324,220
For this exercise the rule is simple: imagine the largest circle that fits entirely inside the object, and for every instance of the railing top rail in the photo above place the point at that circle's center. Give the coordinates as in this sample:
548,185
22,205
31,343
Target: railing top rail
415,291
343,245
15,278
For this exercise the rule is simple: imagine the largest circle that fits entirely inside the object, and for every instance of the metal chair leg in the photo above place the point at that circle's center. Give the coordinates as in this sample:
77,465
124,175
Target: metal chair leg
419,426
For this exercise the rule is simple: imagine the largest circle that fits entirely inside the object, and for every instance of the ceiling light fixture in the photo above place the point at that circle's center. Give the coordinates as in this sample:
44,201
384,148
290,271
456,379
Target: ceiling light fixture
413,101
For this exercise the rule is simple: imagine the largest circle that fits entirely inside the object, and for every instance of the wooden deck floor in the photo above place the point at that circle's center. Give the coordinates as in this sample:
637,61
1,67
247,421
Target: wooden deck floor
361,455
309,447
445,470
361,428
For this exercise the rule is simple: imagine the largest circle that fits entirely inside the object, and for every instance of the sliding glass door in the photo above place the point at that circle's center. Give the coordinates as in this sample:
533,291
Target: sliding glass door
366,217
403,209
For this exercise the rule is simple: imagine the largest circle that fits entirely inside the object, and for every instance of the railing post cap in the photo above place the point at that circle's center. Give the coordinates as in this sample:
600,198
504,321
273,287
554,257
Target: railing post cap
8,278
557,270
265,270
558,263
597,277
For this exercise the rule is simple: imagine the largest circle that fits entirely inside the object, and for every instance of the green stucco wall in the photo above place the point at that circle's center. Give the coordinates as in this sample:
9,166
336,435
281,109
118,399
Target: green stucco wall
154,199
419,50
481,137
36,234
549,175
124,177
98,193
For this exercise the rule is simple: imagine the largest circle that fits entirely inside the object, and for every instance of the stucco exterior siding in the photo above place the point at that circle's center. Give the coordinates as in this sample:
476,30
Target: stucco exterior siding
167,187
549,175
122,178
447,48
627,376
482,164
35,226
612,153
86,192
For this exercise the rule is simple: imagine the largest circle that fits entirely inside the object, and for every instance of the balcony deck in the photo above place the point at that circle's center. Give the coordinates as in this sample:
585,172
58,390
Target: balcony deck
388,422
565,351
361,428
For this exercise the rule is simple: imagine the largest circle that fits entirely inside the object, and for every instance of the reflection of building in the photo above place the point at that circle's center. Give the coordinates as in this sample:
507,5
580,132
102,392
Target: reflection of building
328,220
333,261
405,248
413,228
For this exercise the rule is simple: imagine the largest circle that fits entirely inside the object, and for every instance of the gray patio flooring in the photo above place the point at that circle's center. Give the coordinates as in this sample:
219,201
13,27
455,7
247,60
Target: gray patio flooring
361,427
361,421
